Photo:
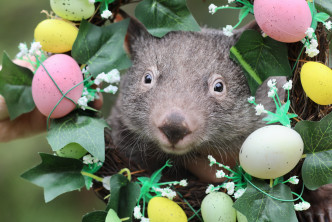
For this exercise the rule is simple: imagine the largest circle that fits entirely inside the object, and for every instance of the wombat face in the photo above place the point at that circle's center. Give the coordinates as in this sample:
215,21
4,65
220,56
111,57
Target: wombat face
183,95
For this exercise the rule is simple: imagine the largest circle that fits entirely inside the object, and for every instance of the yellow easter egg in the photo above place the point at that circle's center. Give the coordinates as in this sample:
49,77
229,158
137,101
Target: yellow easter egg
56,36
161,209
316,80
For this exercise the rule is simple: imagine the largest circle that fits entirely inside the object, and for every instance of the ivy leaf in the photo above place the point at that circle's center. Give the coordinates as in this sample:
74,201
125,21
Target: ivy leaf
15,87
101,47
257,206
124,196
317,169
84,130
324,6
57,175
112,216
160,16
96,216
260,58
322,17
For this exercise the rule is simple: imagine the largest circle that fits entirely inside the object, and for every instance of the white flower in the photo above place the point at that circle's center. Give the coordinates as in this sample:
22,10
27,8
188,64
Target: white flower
107,183
230,1
92,1
137,212
230,187
183,183
106,14
310,31
251,99
264,35
212,8
239,193
83,102
271,83
35,47
166,192
88,159
328,25
302,206
100,78
212,160
288,85
210,189
113,76
111,89
220,174
260,109
85,91
144,219
311,49
293,180
228,30
313,43
272,92
23,50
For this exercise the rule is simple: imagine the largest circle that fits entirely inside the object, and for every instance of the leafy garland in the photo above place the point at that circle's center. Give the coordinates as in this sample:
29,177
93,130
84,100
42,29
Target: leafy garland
106,42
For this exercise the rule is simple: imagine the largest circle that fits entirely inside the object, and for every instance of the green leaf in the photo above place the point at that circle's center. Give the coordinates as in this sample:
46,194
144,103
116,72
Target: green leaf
112,216
322,17
160,16
57,175
91,168
317,136
260,58
124,196
84,130
15,87
257,206
101,47
324,6
96,216
317,169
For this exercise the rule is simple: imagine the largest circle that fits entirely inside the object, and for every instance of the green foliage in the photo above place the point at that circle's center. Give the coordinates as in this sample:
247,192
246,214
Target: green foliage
124,195
84,130
101,47
91,168
112,216
96,216
56,175
161,17
324,6
15,87
257,206
317,167
260,58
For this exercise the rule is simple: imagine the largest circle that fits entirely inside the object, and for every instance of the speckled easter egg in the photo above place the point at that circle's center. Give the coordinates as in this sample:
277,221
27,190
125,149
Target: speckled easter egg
283,20
66,73
161,209
218,207
73,10
271,151
56,36
316,79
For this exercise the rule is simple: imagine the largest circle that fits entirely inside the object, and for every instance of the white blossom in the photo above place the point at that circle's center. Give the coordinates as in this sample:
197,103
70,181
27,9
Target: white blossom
288,85
183,183
88,159
228,30
302,206
212,160
23,50
111,89
259,109
144,219
310,31
211,188
100,78
113,76
293,180
230,187
107,183
83,102
239,193
251,99
212,8
106,14
220,174
328,25
230,1
137,212
311,49
272,92
271,83
35,47
264,34
166,192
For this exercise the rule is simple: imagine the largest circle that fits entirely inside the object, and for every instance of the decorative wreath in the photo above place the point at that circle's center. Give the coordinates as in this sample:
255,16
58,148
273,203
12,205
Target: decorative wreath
78,53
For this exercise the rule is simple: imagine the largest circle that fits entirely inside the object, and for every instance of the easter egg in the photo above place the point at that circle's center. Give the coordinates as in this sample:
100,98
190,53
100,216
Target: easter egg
316,80
72,150
218,207
73,10
271,151
56,36
66,73
161,209
240,217
283,20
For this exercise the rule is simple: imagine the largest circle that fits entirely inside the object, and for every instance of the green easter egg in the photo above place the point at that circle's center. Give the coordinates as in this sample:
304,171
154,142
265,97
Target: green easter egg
72,150
73,10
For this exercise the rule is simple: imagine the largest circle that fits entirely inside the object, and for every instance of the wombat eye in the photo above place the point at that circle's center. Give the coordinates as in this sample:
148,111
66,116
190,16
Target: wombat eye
148,78
218,87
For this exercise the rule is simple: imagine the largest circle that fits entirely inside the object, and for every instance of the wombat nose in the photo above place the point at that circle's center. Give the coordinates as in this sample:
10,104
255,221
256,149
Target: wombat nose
175,128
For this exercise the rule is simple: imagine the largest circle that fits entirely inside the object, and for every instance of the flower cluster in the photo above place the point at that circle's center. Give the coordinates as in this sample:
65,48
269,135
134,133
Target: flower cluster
302,206
105,13
311,43
35,55
88,159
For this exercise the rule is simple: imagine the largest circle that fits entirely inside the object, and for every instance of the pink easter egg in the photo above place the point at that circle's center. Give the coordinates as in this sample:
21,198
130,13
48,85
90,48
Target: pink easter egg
283,20
66,73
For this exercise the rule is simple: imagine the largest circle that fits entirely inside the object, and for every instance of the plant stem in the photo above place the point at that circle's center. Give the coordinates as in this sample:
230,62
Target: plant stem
126,170
99,179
